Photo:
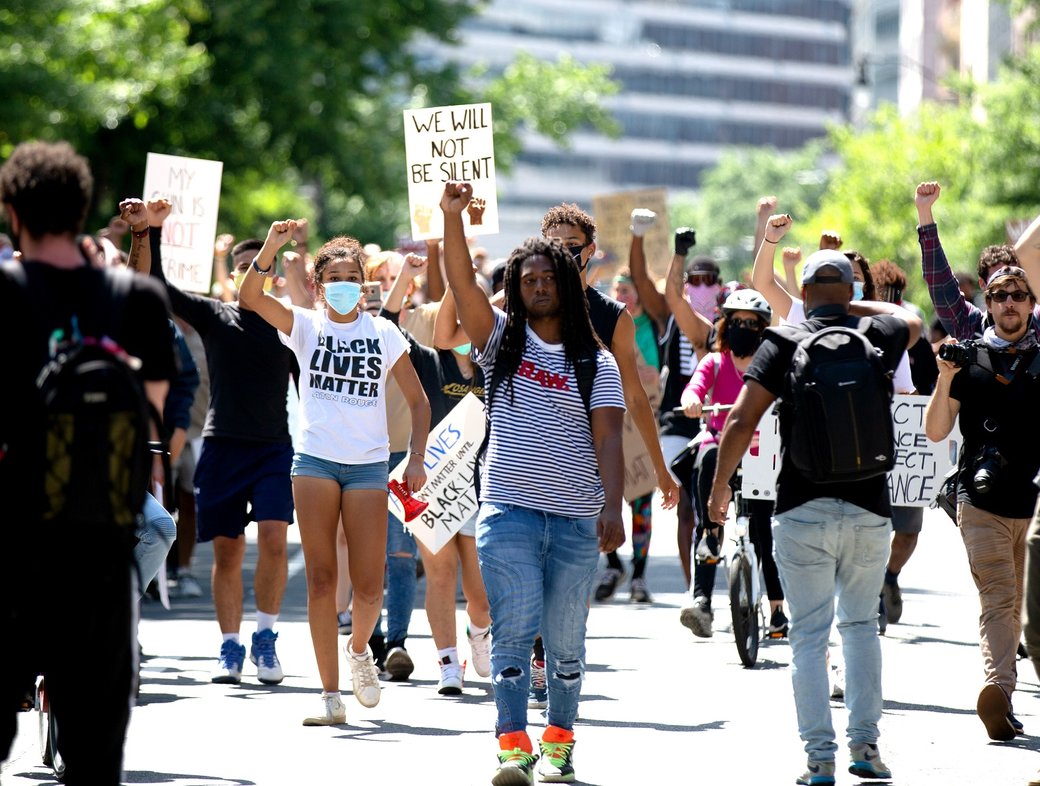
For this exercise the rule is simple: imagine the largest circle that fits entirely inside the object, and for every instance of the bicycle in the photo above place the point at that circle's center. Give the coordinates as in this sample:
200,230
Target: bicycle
744,581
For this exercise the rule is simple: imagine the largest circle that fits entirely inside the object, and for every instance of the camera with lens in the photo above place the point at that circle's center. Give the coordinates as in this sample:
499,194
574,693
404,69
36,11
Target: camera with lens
960,353
988,464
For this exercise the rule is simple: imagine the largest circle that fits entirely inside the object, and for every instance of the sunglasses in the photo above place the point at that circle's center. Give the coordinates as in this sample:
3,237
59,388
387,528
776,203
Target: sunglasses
1018,296
750,324
701,278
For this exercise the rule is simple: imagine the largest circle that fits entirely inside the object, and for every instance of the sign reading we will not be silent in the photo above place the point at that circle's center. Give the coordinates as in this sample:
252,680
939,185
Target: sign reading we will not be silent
450,143
192,185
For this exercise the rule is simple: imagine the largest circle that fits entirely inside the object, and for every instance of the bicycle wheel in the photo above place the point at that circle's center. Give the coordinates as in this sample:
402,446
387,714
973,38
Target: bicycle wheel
742,606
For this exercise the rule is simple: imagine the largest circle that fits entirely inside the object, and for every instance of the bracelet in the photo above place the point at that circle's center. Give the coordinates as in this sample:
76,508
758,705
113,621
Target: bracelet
141,234
420,455
774,242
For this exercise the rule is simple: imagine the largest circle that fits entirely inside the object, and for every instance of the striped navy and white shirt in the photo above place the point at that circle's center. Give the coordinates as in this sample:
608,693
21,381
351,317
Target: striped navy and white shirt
540,454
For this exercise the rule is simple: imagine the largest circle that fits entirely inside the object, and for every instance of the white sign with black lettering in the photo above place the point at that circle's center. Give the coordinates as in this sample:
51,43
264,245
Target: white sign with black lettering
913,482
192,185
451,452
450,143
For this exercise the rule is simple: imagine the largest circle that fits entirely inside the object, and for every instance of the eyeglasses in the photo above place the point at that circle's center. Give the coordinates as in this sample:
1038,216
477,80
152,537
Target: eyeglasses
1002,295
750,324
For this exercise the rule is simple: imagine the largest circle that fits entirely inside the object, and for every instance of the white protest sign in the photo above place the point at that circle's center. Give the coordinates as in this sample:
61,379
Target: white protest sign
451,452
193,187
920,463
450,143
913,482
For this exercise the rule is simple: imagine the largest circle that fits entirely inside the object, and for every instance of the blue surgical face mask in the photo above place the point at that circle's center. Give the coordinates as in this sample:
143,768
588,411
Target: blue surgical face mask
342,296
463,349
857,290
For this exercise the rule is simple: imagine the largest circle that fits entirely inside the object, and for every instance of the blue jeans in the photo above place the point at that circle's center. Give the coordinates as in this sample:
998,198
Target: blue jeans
155,536
400,575
823,547
538,569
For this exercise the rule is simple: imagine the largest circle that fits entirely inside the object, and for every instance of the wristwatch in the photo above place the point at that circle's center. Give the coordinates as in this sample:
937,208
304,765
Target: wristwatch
260,270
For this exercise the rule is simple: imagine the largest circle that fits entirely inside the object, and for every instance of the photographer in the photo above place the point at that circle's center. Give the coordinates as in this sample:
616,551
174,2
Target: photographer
992,384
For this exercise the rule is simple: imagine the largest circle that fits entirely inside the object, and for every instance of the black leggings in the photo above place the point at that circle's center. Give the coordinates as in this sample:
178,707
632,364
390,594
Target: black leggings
760,514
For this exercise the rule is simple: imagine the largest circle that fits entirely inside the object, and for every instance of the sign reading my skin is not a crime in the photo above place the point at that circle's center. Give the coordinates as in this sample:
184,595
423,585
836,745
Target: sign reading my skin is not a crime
450,143
192,185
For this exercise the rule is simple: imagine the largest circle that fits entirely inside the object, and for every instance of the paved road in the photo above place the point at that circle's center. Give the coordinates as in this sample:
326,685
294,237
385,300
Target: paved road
658,705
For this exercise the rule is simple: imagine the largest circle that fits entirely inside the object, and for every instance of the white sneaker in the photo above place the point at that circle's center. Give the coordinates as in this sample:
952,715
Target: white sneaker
363,675
451,677
264,657
480,652
187,585
335,712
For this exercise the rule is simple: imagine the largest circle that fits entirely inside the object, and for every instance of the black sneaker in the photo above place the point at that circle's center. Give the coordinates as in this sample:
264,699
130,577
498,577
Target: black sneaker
1016,724
893,597
608,583
882,616
778,624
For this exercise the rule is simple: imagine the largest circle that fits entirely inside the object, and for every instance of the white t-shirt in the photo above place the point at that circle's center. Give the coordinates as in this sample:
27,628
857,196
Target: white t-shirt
901,380
343,369
540,454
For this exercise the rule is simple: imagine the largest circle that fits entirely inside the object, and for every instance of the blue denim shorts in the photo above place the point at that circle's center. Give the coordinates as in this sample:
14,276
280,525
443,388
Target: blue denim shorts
351,477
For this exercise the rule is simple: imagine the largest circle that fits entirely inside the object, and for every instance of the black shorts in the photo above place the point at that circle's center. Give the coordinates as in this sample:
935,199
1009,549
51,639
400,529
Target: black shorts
238,481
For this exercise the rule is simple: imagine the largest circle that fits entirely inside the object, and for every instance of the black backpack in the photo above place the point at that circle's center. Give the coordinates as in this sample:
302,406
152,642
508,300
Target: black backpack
839,399
94,440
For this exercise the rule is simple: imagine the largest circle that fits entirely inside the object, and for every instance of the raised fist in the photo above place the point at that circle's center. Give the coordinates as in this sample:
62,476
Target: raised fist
830,239
766,206
685,239
414,265
642,220
456,196
134,214
223,244
158,211
475,208
927,193
792,255
777,226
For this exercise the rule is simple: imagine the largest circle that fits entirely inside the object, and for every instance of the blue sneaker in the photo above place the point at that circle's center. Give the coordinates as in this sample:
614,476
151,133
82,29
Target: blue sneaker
538,697
268,669
229,667
866,761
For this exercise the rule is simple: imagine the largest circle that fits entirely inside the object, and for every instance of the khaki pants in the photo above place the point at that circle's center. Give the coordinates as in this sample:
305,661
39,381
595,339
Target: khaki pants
996,547
1031,620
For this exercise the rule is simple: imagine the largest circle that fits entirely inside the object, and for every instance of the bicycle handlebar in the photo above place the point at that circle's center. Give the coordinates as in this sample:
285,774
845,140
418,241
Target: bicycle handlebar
711,409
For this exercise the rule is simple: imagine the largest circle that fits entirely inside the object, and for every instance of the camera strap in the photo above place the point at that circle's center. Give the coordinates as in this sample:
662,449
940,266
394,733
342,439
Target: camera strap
1033,370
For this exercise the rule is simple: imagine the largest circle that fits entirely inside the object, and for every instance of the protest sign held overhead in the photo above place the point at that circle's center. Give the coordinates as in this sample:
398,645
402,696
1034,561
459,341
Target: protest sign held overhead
192,185
450,143
613,214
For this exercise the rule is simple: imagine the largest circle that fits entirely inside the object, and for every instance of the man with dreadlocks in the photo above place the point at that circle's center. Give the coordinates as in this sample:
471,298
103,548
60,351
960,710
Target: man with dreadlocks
547,506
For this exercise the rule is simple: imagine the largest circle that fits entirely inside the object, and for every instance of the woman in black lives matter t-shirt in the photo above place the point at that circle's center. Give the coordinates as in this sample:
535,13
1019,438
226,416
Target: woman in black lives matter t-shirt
341,463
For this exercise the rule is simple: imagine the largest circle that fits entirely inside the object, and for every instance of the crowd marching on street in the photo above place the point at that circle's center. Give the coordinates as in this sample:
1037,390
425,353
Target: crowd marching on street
141,423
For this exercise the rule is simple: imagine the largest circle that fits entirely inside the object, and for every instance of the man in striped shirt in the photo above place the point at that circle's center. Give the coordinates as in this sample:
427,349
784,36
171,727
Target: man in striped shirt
551,482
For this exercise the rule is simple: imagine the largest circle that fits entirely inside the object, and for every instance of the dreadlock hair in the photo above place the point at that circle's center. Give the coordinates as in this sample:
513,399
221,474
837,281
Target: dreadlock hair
579,339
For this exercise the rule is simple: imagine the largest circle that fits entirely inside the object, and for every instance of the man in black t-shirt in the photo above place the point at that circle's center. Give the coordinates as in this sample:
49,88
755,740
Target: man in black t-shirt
830,538
45,190
995,398
242,472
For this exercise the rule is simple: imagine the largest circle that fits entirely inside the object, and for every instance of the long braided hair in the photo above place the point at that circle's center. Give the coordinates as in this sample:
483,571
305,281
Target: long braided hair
579,339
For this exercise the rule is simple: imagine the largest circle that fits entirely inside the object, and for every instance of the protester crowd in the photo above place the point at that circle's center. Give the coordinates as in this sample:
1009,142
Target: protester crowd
376,347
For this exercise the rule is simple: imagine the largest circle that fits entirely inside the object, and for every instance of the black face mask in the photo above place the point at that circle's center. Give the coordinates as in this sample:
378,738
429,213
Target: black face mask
575,253
742,341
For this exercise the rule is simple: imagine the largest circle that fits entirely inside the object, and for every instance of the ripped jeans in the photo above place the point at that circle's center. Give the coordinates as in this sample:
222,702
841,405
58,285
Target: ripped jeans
538,569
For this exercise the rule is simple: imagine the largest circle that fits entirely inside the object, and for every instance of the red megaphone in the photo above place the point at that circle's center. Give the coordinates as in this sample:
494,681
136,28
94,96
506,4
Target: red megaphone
412,506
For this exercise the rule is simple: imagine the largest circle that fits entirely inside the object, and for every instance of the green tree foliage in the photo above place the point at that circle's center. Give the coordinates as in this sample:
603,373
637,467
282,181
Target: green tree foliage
724,213
302,102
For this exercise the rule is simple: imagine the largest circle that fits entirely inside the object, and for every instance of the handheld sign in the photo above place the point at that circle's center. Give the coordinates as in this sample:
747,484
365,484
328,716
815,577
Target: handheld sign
450,143
193,187
451,452
913,482
613,214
